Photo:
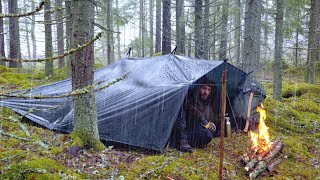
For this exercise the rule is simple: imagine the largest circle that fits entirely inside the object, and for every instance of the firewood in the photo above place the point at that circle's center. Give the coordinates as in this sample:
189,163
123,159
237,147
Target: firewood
261,166
273,164
277,148
264,153
251,164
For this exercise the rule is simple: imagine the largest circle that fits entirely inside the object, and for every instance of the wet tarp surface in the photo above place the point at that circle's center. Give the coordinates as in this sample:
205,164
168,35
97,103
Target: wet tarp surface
140,110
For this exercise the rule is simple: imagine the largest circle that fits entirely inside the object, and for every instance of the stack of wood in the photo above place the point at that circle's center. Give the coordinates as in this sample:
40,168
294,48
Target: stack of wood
261,160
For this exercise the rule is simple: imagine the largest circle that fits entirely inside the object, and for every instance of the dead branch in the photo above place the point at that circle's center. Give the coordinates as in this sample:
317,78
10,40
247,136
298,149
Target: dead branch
13,156
71,51
13,136
39,8
152,171
87,89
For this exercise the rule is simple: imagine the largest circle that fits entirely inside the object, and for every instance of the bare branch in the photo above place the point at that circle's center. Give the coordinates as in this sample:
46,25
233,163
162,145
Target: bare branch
39,8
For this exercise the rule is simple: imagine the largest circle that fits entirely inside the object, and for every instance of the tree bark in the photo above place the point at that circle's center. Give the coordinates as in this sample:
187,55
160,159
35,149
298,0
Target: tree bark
85,133
258,35
48,38
151,5
60,32
206,18
68,36
249,46
14,32
33,37
313,44
166,27
141,29
109,32
198,31
180,27
118,35
277,87
224,30
158,27
237,32
2,51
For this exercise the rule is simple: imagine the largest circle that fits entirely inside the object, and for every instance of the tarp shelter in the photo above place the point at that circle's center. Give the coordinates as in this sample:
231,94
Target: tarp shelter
141,109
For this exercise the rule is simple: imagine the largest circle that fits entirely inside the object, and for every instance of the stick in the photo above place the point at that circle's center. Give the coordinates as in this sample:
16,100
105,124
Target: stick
272,146
147,174
13,136
262,165
248,113
13,156
223,112
278,147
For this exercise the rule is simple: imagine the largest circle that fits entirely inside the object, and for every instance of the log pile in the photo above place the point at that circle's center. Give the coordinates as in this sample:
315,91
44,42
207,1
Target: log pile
263,160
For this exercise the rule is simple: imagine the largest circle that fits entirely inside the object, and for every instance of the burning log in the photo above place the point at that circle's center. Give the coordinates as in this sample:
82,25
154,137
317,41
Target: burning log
261,166
278,147
270,148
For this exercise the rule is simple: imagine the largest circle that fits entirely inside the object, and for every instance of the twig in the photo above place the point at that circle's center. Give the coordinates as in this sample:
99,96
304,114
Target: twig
13,136
39,8
147,174
71,51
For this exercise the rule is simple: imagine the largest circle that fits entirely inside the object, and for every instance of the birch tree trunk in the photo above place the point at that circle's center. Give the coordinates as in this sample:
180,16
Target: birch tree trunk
166,27
141,28
277,88
33,37
48,38
60,32
14,32
158,27
85,132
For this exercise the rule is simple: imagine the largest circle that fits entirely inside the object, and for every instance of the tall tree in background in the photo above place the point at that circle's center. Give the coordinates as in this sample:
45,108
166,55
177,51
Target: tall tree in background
141,28
2,51
158,27
14,32
258,35
151,5
68,35
277,86
224,30
33,37
198,29
109,32
180,27
250,48
48,38
26,23
237,31
166,27
313,41
213,29
60,32
118,33
85,132
206,20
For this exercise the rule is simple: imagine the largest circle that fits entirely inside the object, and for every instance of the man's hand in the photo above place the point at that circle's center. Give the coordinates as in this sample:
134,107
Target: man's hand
210,126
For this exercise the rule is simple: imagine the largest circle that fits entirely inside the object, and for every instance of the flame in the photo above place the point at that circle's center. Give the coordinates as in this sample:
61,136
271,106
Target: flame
260,139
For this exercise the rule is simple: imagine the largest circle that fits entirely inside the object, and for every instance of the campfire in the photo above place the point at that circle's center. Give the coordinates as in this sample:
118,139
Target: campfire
263,155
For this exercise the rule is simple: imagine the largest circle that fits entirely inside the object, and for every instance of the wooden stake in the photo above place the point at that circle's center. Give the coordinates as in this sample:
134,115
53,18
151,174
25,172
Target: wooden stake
223,112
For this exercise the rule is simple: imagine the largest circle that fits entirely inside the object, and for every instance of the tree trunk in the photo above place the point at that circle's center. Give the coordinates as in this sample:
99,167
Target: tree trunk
2,51
249,46
189,45
85,132
141,29
109,32
314,32
15,52
198,32
158,27
60,38
180,27
266,32
258,35
213,44
151,5
48,38
26,23
206,29
224,30
118,35
68,36
277,88
237,32
166,27
296,46
33,37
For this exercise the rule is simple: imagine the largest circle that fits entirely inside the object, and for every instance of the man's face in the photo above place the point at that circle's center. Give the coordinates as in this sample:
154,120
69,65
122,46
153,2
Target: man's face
204,92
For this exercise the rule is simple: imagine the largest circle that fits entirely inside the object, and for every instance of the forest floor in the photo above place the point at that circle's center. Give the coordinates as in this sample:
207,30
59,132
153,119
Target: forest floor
44,154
